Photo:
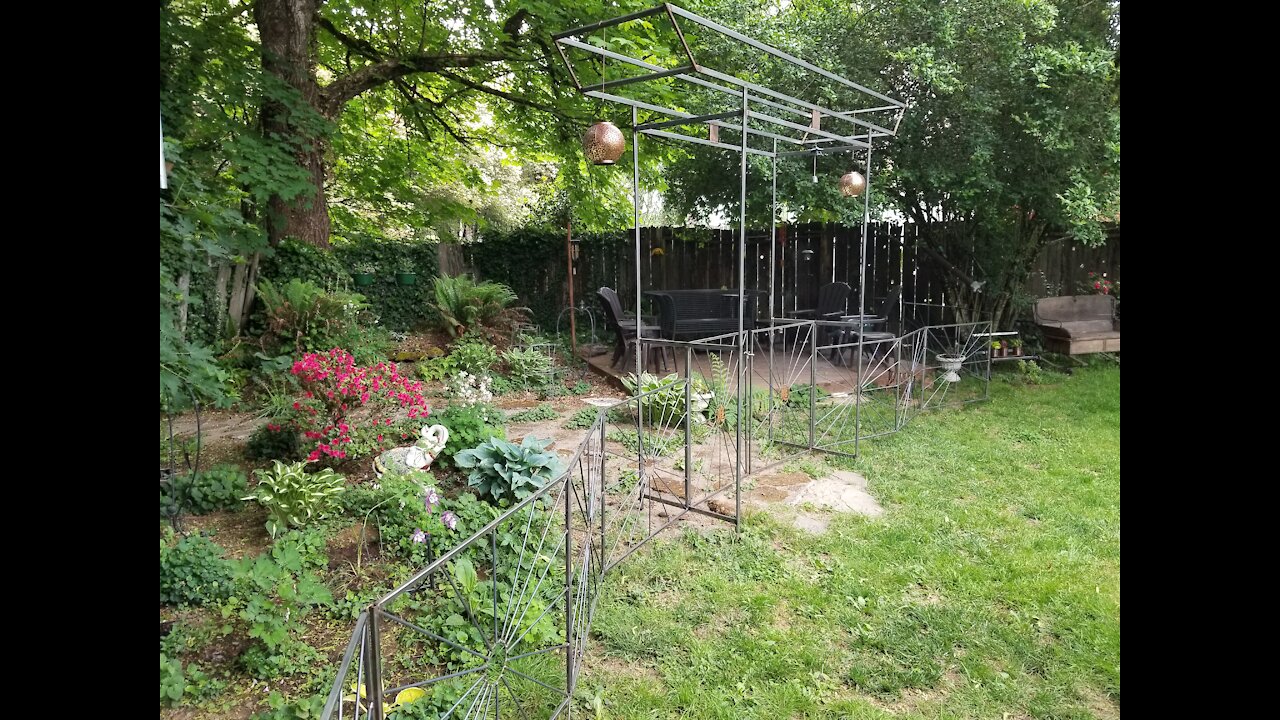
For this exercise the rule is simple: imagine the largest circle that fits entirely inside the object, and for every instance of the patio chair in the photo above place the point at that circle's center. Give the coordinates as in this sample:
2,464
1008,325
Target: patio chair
624,328
667,316
832,298
890,309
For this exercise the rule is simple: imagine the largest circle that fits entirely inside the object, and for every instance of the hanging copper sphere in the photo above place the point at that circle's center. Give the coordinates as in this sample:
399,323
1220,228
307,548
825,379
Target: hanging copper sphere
603,144
852,184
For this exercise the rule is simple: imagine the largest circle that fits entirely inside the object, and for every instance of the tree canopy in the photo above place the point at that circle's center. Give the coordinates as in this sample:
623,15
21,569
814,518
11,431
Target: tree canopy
319,119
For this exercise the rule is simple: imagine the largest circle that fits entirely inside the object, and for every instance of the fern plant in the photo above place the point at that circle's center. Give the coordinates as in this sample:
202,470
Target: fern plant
462,302
294,497
505,471
303,316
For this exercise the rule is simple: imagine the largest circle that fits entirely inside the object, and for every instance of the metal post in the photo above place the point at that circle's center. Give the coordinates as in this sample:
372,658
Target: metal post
688,425
773,247
635,195
813,379
742,310
897,383
373,666
493,557
862,299
603,420
573,325
568,586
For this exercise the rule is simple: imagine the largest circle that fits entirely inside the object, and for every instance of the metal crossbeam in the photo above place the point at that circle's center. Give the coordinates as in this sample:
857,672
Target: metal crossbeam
695,73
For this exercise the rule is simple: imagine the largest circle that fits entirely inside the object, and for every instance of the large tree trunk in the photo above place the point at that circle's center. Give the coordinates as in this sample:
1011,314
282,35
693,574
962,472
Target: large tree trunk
287,30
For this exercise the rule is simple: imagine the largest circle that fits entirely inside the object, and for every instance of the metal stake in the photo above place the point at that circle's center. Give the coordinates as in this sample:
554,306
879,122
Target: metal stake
862,300
742,311
373,666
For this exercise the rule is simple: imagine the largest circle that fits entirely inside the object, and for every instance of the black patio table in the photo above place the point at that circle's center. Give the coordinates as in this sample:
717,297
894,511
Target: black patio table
850,327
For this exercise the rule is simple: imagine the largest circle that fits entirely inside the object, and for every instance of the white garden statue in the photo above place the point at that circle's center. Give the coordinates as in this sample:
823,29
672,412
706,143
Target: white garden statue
428,447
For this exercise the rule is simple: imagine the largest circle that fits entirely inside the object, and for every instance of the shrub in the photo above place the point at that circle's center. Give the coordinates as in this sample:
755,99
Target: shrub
583,419
468,389
300,316
199,493
333,386
411,516
528,367
469,425
193,572
463,303
798,395
542,412
172,681
437,369
504,471
294,497
274,441
273,592
473,355
663,403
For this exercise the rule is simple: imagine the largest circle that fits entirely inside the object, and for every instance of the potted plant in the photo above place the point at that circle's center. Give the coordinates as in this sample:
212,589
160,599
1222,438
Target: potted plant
363,274
1016,344
997,349
406,272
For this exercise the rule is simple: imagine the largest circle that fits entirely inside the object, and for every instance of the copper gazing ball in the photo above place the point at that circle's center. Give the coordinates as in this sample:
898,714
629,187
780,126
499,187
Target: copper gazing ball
603,144
852,184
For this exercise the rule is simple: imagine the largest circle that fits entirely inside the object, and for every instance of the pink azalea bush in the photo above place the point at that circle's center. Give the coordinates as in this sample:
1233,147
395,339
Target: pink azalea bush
334,389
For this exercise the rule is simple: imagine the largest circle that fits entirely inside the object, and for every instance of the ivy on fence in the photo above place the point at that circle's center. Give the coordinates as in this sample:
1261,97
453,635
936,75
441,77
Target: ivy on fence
399,307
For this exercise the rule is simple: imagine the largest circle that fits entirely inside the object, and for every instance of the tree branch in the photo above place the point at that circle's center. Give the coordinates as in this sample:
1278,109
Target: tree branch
336,94
481,87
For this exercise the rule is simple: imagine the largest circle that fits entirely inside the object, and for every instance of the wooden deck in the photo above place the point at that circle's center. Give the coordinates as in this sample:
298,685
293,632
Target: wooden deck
790,367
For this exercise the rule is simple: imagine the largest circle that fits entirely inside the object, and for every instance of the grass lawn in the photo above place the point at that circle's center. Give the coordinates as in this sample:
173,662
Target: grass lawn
989,589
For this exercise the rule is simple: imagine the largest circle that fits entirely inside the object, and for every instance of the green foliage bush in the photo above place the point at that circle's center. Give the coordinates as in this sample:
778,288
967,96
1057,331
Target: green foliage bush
469,425
307,708
663,399
193,571
294,497
172,681
506,472
474,355
535,414
402,506
529,367
273,592
299,316
275,440
583,419
799,396
438,369
217,488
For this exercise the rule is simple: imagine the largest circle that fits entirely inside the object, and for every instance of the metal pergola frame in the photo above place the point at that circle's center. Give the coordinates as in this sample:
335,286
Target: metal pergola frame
593,522
758,109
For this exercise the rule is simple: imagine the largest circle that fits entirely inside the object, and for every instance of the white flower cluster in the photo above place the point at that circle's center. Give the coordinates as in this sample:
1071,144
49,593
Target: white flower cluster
469,389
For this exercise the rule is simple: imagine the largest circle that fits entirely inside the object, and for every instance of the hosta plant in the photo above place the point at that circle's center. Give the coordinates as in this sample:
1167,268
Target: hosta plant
662,399
505,471
294,497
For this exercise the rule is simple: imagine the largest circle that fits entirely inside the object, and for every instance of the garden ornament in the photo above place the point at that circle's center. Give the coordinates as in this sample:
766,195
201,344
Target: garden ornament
428,447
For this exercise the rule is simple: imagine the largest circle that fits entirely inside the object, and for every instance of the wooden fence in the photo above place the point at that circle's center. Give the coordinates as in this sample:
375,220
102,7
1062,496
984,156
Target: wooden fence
806,257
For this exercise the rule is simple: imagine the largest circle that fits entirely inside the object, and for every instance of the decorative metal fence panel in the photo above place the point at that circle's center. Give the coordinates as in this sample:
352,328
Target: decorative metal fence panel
500,623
